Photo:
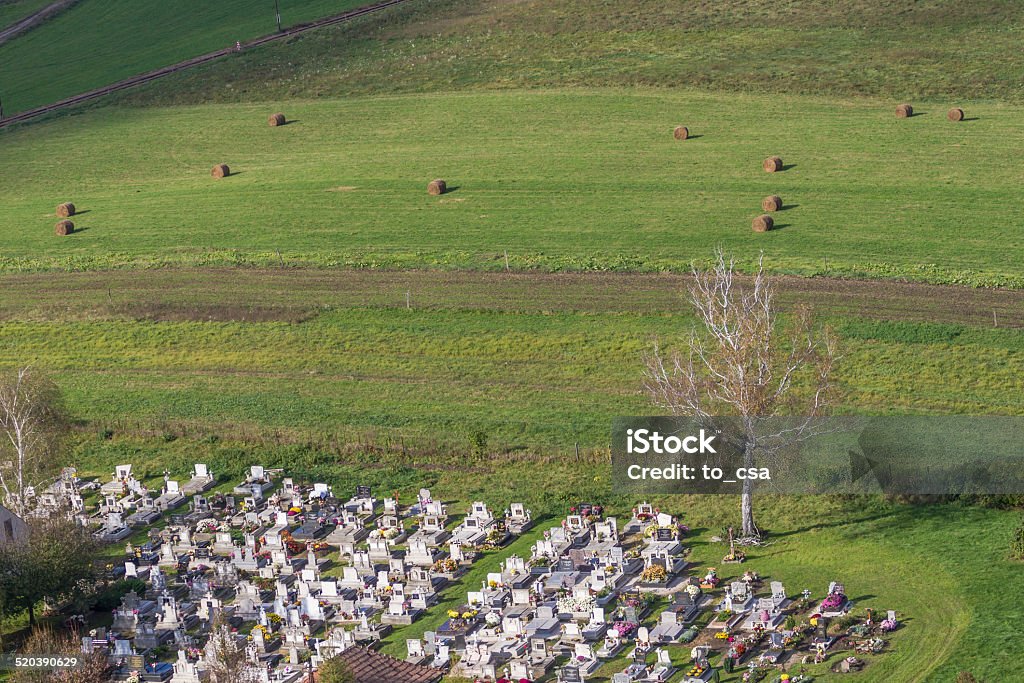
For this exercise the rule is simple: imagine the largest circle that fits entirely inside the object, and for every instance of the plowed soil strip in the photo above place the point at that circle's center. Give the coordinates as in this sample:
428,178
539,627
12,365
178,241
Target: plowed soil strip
294,294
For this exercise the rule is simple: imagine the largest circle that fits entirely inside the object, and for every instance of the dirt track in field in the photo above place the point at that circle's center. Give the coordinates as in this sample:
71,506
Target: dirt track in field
295,294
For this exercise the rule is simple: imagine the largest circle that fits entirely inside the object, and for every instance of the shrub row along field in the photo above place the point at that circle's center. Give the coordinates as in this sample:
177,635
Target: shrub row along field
98,42
588,180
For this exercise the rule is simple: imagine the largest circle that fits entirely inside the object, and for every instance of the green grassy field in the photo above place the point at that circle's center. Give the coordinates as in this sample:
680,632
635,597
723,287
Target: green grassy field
15,10
314,310
346,370
97,42
934,49
560,180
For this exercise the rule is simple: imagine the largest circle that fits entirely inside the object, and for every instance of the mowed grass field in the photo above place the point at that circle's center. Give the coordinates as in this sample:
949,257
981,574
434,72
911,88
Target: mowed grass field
558,180
97,42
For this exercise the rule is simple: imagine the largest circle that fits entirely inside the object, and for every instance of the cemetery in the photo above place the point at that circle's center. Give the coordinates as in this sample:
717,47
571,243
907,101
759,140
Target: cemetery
594,598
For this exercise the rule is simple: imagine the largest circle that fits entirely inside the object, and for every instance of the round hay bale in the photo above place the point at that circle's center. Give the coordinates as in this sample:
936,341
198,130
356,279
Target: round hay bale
66,210
955,114
63,228
277,120
904,111
771,203
772,164
681,133
437,187
220,171
763,223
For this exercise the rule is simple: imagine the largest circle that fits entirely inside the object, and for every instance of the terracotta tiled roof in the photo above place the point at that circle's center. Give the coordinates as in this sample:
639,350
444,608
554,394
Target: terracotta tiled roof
373,667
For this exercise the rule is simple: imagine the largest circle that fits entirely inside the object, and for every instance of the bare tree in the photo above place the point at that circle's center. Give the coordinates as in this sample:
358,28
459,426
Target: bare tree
740,367
94,667
226,657
31,422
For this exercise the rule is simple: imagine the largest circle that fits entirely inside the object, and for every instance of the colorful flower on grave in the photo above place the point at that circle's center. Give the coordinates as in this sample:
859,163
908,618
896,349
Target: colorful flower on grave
654,574
453,614
492,619
445,566
259,627
722,635
624,628
834,601
274,618
469,614
652,529
888,625
696,671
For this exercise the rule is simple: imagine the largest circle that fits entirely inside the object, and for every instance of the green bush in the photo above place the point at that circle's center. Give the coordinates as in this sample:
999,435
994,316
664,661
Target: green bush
1017,545
110,597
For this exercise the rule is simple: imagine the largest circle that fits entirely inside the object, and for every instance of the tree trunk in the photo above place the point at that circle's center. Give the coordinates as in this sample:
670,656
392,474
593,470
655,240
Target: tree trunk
747,501
747,505
32,615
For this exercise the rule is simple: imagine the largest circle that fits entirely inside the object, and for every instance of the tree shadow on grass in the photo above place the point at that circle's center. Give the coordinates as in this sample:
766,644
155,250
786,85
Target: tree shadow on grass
837,523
